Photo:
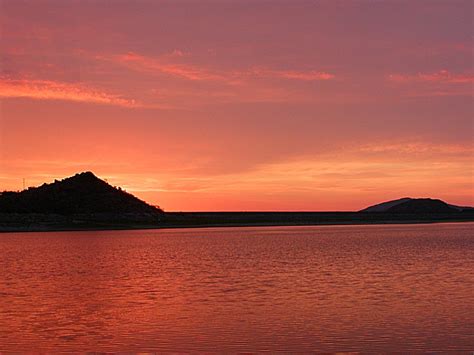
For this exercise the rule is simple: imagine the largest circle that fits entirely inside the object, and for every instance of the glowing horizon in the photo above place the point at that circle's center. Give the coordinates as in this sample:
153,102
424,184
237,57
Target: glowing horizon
241,106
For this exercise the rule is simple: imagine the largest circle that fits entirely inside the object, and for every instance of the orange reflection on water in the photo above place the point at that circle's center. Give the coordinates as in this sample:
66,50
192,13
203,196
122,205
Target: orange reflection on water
294,289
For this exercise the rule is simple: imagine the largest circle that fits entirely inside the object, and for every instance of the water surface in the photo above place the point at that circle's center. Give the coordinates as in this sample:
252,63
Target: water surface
291,289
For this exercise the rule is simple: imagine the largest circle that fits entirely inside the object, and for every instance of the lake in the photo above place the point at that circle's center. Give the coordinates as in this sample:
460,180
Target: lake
290,289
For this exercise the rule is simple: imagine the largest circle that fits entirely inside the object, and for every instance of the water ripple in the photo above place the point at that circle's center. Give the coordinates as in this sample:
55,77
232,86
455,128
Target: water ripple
277,289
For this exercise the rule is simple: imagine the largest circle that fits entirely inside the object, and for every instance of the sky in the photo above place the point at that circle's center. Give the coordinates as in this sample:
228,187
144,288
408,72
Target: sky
241,105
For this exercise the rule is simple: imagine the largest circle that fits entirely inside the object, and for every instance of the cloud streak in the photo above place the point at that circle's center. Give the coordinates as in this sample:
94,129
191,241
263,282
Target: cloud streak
408,148
309,75
442,76
141,63
54,90
191,72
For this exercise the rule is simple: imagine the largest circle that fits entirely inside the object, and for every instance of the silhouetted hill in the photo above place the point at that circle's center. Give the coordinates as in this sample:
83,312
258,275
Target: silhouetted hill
85,202
416,205
422,205
82,193
384,206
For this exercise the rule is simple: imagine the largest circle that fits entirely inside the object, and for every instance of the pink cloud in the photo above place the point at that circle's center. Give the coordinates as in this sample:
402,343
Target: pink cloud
308,75
52,90
164,65
303,75
442,76
142,63
418,148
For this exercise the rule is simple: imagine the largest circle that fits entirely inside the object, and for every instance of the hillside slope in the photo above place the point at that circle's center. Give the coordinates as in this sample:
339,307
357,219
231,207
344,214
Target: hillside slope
82,193
416,205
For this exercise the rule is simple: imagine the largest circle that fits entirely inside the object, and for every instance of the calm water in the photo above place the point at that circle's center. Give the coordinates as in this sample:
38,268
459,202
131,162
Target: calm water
347,288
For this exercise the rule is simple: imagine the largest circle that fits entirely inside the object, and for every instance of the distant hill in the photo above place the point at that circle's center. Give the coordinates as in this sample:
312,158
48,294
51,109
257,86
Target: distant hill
416,205
85,202
82,193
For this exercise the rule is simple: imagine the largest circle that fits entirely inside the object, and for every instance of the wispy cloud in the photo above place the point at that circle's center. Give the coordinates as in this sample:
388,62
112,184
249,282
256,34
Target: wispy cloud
165,65
324,178
442,76
53,90
407,149
186,71
361,166
309,75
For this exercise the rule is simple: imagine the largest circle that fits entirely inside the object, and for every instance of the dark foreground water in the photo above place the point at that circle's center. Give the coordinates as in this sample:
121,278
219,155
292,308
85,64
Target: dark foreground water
292,289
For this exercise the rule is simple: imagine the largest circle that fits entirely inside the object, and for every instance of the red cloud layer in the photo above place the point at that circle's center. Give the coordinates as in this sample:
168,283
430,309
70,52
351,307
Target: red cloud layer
191,72
442,76
52,90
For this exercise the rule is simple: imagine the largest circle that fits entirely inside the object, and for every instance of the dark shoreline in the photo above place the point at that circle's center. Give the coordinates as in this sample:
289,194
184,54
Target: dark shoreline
175,220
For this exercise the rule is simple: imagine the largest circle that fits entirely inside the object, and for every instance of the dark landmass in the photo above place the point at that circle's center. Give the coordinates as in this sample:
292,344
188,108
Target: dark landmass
211,219
80,200
11,222
82,193
409,205
85,202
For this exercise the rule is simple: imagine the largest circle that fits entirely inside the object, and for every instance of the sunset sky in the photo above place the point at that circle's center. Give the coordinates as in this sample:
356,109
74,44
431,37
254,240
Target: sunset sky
241,105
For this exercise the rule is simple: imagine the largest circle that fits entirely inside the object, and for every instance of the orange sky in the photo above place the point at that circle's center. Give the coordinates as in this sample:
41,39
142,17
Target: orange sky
241,105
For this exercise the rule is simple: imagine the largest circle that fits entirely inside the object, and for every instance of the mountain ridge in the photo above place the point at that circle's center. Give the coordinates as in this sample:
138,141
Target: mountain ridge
83,193
415,205
85,202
